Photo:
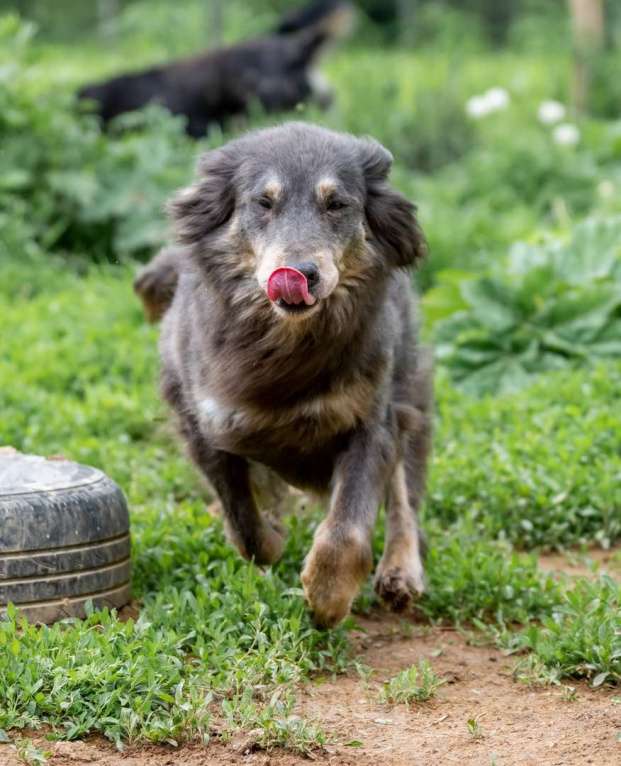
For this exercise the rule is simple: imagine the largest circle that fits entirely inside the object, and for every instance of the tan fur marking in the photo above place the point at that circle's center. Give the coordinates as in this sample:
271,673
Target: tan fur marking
344,408
248,260
273,189
326,187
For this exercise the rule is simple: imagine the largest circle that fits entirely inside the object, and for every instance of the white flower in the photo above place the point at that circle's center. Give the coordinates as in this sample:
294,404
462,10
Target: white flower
566,134
492,100
497,98
550,112
476,107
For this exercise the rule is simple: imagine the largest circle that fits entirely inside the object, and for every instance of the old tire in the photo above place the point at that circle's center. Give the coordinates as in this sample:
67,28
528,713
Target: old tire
64,538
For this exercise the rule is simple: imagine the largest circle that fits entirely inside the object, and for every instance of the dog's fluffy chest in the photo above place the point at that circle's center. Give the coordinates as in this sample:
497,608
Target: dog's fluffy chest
308,422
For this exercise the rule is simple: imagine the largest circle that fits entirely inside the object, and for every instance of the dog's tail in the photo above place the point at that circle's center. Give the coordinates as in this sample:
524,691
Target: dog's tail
335,18
309,32
156,282
313,28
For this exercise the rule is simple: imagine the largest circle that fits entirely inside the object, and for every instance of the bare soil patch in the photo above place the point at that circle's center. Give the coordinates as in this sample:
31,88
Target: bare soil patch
518,724
591,563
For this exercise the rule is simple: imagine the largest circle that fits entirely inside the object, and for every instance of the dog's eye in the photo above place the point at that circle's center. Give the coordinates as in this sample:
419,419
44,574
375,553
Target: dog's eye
267,203
335,204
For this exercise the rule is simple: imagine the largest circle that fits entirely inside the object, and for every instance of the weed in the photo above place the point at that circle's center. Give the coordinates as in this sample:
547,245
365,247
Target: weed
474,728
538,467
364,672
553,306
569,693
531,671
30,754
418,683
563,644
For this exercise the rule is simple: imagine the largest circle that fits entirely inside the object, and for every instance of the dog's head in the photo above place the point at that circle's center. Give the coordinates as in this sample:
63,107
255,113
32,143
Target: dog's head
297,214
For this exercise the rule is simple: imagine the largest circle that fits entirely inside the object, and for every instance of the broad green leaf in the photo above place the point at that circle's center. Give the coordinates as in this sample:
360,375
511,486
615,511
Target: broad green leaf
491,303
593,253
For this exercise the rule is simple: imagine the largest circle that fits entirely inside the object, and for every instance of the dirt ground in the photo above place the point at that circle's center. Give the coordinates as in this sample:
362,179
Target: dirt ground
592,563
518,725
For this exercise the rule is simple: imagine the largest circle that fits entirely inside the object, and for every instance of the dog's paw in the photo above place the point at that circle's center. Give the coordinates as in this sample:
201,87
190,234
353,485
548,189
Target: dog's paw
400,584
335,568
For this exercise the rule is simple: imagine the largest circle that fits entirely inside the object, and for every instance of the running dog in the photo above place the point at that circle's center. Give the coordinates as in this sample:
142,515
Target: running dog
289,345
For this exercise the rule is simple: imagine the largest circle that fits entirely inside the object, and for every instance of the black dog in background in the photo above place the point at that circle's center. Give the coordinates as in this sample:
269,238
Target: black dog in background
276,71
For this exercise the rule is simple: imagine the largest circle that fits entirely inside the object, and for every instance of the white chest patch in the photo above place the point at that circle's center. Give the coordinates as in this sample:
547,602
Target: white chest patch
215,416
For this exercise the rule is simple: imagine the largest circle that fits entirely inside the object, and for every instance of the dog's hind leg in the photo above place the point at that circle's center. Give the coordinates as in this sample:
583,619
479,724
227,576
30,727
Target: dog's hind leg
156,282
400,575
270,492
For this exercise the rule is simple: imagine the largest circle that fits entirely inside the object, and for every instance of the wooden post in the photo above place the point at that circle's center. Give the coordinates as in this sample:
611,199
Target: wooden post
406,10
107,16
215,23
587,21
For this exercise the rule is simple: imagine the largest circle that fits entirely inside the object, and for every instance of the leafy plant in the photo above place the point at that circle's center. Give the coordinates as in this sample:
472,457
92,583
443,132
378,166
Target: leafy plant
558,305
30,754
418,683
471,577
474,728
67,187
582,637
273,724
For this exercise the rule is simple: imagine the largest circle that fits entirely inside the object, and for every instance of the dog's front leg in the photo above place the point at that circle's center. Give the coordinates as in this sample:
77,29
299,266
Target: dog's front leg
341,558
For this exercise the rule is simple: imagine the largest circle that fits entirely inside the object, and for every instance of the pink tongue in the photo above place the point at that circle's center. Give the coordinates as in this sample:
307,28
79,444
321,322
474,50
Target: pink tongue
290,285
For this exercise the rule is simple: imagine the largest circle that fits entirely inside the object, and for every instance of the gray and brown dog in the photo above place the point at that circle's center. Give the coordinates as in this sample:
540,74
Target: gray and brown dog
288,345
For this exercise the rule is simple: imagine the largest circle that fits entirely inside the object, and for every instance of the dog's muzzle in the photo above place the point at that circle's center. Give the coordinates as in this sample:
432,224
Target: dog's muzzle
290,287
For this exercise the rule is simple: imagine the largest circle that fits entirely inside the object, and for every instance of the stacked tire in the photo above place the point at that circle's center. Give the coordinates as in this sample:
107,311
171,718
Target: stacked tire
64,538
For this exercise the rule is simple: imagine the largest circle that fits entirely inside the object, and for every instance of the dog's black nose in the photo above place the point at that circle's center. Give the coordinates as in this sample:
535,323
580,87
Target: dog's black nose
311,272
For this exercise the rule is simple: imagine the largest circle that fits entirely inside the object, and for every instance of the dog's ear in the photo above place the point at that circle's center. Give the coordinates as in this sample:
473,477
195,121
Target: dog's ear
391,217
208,203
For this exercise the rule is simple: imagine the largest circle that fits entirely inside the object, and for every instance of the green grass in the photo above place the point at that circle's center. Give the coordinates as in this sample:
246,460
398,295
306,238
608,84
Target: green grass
582,636
540,467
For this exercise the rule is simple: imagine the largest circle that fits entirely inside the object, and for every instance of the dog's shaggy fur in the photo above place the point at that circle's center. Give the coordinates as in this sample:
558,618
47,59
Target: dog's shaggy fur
276,71
333,397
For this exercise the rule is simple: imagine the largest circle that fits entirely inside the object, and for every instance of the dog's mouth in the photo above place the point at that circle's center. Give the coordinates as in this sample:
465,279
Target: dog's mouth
294,308
288,289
